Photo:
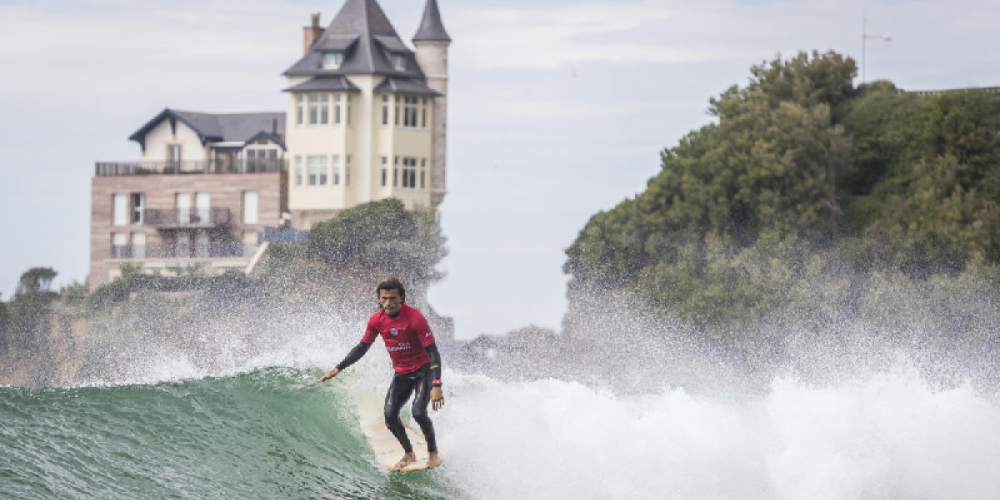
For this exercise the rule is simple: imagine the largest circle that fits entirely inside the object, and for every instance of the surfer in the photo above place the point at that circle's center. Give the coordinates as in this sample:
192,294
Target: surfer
416,361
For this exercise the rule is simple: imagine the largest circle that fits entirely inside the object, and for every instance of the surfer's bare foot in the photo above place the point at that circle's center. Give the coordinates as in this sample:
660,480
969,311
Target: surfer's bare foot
407,459
434,459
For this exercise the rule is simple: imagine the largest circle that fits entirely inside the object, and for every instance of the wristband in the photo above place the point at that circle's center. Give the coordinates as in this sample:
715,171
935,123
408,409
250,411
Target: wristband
436,383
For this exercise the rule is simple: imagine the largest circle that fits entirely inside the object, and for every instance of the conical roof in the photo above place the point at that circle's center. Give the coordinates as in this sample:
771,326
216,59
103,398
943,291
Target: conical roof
363,34
431,28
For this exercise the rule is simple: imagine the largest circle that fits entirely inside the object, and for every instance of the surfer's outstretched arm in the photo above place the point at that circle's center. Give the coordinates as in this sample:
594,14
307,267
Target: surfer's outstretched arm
352,357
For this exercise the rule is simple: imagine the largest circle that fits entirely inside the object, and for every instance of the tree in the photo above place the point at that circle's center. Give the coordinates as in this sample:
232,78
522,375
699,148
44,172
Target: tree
383,236
74,294
36,280
30,309
802,175
770,164
4,331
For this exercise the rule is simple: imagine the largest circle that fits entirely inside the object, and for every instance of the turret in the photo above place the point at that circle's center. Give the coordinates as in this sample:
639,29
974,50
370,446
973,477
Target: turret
431,42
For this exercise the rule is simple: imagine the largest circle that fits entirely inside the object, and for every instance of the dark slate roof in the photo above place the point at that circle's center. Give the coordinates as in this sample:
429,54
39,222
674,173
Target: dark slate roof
325,84
239,126
335,43
406,86
431,28
392,44
219,127
366,37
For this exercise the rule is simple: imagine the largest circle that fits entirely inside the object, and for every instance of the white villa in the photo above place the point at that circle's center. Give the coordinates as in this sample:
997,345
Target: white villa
366,120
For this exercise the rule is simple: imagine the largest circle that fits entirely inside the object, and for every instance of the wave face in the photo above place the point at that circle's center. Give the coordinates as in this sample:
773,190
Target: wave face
275,433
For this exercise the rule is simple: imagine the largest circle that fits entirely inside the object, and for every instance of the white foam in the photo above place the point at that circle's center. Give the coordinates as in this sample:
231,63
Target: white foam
888,437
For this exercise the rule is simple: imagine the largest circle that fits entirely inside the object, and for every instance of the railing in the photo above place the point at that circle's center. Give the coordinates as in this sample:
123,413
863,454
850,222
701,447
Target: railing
188,167
187,217
224,250
989,90
284,235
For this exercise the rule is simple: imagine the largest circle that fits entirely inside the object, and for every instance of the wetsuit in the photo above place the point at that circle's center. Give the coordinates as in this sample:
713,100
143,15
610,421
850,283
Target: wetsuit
417,363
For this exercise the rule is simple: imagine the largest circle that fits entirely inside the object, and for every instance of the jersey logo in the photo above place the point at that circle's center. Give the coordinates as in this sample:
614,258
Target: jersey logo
402,346
428,334
394,331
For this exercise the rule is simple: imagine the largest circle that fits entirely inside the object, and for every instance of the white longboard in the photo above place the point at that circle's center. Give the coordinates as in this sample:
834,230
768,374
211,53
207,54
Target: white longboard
387,449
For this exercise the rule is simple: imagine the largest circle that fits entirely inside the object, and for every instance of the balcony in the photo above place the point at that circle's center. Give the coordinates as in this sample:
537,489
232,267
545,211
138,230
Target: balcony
186,218
222,250
191,167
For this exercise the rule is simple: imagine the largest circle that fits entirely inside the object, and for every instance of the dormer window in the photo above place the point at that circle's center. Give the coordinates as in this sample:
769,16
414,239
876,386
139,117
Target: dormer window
399,62
333,60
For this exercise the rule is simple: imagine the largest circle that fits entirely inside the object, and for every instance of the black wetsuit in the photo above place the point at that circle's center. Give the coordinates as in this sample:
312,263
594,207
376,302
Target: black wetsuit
402,387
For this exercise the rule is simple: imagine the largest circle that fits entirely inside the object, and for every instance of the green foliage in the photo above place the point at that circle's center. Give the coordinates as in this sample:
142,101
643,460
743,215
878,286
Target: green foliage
74,294
770,164
35,280
821,79
4,329
30,310
803,189
381,235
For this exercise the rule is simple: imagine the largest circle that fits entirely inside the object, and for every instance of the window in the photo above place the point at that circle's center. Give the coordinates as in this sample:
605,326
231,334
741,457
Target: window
385,109
423,112
333,60
395,172
252,159
299,108
409,173
347,171
336,170
348,110
138,208
396,115
410,112
385,171
317,170
203,204
423,170
174,156
399,63
119,245
250,207
298,170
336,109
184,208
120,204
138,245
319,109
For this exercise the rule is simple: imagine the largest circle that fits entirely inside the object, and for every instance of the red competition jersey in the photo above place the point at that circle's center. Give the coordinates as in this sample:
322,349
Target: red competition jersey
405,337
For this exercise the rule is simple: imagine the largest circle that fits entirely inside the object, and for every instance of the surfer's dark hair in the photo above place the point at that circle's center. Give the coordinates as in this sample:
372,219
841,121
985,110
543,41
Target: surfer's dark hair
391,284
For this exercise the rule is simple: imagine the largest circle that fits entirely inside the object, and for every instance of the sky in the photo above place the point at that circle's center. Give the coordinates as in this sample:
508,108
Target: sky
557,109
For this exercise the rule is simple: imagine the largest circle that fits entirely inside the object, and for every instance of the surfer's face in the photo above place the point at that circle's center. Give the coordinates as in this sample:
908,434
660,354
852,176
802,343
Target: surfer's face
390,301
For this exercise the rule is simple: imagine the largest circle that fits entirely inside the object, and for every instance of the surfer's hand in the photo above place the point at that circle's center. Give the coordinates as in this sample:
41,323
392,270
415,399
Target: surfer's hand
330,374
437,398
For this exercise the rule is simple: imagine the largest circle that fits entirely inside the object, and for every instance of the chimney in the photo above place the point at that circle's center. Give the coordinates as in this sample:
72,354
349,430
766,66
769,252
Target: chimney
311,33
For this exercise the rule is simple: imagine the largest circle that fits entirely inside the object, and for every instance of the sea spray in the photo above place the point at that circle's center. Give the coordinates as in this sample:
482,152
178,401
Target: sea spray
638,406
888,436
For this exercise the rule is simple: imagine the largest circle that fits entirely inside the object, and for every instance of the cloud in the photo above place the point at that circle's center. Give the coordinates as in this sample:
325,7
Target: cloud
669,32
662,32
146,47
88,46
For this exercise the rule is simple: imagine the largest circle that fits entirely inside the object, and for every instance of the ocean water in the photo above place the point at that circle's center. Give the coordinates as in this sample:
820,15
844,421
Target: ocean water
274,433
